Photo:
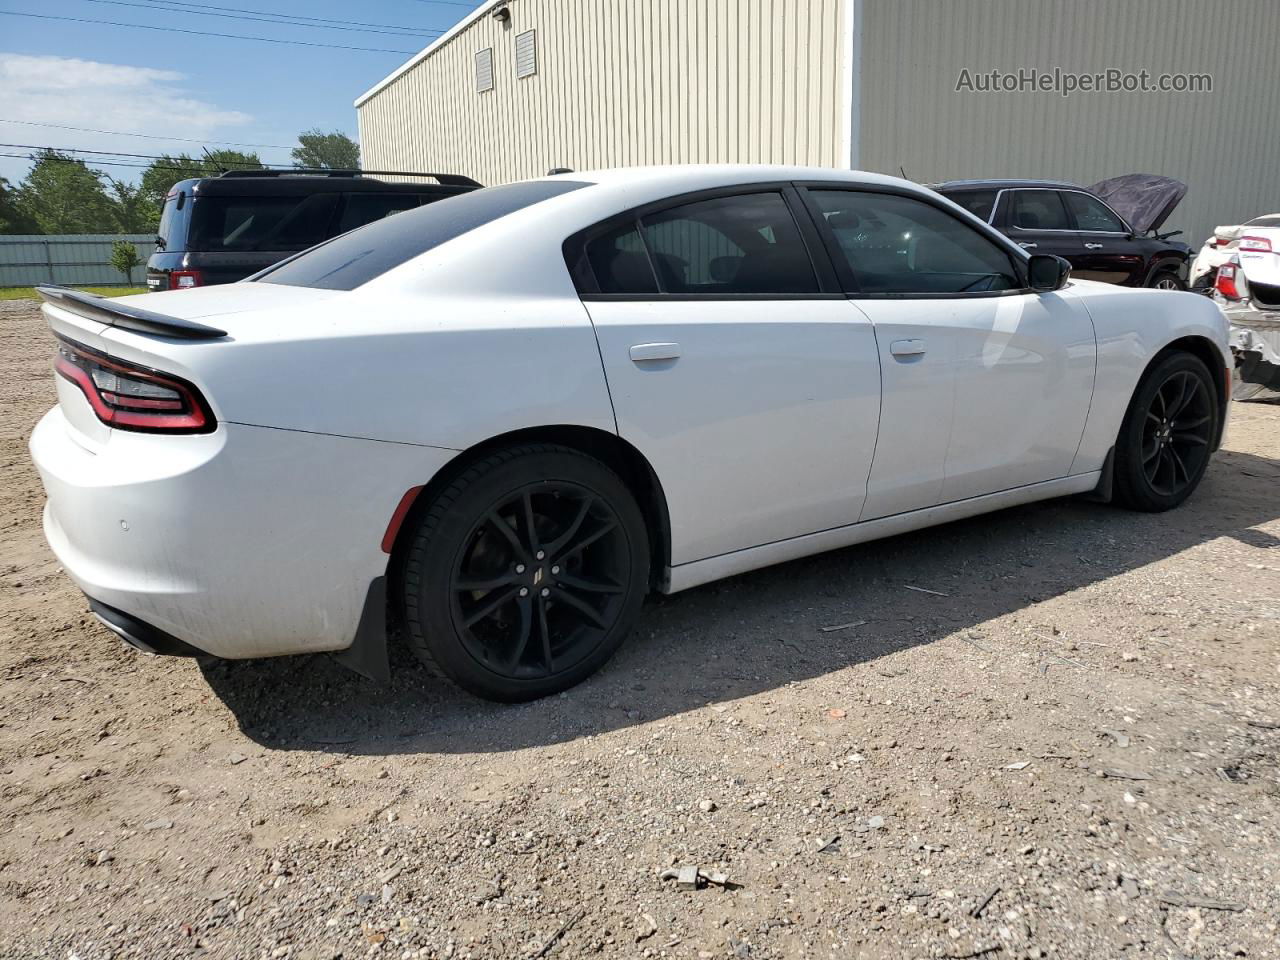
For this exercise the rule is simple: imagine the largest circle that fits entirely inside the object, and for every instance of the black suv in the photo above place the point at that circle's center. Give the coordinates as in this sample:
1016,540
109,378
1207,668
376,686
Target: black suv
1113,239
223,229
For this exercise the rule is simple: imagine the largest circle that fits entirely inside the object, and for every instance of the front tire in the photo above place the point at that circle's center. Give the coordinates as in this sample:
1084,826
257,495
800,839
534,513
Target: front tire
1168,280
526,573
1167,435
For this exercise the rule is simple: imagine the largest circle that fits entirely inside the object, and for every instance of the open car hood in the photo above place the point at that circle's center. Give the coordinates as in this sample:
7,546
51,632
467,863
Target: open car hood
1145,200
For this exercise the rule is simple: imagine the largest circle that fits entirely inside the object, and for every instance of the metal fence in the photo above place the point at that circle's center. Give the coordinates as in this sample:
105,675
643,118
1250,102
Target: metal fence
70,259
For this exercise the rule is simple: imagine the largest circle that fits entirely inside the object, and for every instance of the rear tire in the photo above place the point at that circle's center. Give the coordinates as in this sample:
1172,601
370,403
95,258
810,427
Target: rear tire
526,573
1167,435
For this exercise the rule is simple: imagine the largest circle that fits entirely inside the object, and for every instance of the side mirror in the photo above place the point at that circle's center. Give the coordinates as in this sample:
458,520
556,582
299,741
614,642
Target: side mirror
1046,273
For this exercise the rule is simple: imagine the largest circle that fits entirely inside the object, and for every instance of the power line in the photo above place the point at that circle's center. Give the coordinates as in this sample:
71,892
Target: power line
291,16
205,33
103,163
142,136
119,153
276,19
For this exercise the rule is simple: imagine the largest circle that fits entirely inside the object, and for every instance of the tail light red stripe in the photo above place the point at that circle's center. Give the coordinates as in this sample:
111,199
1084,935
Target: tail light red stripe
187,412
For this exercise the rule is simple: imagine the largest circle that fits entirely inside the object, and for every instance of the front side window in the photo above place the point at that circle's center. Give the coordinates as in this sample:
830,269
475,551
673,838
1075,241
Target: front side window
1092,214
1040,210
744,244
899,245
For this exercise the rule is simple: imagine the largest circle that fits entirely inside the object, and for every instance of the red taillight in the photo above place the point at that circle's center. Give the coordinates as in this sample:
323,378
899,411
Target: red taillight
1226,282
1254,245
130,397
185,279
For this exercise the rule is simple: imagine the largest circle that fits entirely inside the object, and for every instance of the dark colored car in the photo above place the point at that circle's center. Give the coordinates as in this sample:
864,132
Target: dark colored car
223,229
1107,232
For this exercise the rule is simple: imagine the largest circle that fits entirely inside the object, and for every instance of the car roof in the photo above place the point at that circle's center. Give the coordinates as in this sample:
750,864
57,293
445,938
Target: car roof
673,179
1007,184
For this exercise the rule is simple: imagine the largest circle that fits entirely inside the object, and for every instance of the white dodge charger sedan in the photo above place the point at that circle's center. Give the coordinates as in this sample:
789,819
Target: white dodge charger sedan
502,418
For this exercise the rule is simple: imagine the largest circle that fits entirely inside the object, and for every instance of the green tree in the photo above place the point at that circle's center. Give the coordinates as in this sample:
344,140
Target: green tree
13,218
62,195
163,173
131,210
124,257
332,151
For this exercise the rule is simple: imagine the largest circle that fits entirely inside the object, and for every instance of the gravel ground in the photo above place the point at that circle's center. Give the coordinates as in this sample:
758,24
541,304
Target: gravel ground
1067,747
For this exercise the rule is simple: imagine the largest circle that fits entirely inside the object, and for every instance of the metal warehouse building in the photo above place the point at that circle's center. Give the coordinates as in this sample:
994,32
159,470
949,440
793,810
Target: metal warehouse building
522,86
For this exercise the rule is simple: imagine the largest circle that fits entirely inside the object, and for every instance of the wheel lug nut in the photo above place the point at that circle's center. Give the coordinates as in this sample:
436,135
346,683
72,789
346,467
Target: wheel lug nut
524,591
540,555
546,592
519,568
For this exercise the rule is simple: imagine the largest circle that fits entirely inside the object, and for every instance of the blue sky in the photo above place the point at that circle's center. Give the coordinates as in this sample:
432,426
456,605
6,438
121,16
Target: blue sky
210,89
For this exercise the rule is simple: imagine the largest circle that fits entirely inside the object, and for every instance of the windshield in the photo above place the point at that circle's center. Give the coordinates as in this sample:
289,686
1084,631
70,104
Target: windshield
355,258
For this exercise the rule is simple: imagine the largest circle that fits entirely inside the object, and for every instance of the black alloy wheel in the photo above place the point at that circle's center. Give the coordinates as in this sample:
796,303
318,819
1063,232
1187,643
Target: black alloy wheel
526,573
1168,434
540,581
1177,433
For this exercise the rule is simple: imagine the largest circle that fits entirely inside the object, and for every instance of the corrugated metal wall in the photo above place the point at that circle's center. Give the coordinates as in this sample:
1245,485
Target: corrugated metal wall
1223,144
70,259
621,82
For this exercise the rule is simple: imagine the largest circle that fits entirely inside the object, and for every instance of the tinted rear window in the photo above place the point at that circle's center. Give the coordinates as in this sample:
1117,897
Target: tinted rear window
1264,222
260,223
355,258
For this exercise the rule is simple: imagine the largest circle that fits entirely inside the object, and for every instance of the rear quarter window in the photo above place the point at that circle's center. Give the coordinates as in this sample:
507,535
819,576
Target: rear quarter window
978,202
355,258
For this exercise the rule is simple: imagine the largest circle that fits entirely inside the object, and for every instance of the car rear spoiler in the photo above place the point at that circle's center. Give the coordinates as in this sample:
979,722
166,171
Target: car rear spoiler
104,310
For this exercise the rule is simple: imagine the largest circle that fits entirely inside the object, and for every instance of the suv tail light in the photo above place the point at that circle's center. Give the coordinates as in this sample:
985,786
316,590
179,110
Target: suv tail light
185,279
1226,282
1255,245
132,397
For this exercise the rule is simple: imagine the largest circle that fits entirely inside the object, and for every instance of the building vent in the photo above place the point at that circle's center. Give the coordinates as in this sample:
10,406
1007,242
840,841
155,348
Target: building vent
484,69
526,54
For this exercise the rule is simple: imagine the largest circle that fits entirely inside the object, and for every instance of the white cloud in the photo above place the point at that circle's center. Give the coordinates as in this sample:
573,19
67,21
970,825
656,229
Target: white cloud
106,96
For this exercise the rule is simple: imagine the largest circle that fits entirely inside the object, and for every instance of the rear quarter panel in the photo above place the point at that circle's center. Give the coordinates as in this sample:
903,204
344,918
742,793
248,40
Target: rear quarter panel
448,371
1132,327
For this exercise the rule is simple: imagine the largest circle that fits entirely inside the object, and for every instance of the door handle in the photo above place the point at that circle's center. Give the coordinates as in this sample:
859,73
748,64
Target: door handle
644,352
1093,246
907,348
1028,246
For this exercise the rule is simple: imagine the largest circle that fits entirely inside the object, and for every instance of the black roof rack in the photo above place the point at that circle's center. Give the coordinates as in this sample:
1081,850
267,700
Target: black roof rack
445,179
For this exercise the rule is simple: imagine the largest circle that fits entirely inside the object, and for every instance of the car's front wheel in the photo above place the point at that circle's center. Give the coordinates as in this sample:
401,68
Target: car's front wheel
526,573
1167,435
1168,280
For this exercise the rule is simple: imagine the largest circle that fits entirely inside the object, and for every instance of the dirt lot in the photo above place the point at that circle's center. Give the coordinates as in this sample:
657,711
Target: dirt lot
1067,748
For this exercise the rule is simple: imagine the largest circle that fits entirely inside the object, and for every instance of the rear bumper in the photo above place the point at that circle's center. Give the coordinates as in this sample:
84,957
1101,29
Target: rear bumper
246,542
139,635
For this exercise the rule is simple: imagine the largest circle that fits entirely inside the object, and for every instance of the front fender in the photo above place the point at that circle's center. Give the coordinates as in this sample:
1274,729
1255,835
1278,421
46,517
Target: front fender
1133,327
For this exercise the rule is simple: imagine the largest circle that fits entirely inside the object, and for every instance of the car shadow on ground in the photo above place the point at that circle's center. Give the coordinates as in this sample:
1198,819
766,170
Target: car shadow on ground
758,631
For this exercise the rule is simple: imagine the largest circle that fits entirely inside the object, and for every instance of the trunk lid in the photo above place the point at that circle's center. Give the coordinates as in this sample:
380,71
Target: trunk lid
168,332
